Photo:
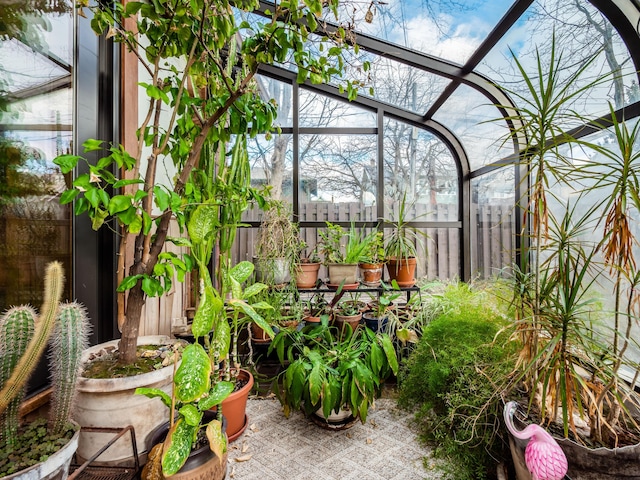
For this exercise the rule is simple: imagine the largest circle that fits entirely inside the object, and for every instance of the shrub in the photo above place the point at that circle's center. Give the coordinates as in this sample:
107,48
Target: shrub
452,381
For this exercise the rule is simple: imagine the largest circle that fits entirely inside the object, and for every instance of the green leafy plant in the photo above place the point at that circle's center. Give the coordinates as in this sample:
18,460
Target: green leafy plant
335,251
404,241
374,251
451,379
23,338
211,98
330,371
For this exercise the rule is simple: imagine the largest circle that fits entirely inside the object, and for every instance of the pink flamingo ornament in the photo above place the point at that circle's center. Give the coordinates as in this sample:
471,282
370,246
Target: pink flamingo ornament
543,456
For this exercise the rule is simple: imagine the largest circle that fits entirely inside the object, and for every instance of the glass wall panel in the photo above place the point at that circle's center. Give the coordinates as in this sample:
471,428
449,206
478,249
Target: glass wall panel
36,51
271,161
493,226
317,111
338,178
582,34
417,163
471,117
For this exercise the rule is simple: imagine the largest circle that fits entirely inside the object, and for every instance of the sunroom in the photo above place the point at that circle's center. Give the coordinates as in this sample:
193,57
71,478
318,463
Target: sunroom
178,163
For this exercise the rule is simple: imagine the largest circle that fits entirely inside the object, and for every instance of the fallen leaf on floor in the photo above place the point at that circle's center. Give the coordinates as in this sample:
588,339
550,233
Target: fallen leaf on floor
243,458
233,472
349,435
373,423
245,447
369,441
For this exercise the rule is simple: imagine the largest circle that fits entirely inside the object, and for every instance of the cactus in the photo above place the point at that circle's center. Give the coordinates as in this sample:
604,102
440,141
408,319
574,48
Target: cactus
16,329
70,338
53,282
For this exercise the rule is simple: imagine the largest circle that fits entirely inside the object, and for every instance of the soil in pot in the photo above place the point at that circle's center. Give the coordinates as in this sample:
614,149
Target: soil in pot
33,443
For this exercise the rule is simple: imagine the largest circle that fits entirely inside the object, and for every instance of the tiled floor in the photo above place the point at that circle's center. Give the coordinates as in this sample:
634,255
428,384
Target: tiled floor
276,448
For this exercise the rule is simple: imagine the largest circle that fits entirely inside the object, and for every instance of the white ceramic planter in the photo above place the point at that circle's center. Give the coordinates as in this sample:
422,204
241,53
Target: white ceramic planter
56,467
112,403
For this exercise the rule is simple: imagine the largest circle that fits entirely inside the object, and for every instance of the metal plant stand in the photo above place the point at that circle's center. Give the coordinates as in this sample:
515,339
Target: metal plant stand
87,471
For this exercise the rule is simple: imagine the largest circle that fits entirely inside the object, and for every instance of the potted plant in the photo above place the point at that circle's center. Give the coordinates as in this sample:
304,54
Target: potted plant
342,258
315,307
40,449
331,373
402,245
574,349
277,244
372,261
377,317
348,311
211,99
307,268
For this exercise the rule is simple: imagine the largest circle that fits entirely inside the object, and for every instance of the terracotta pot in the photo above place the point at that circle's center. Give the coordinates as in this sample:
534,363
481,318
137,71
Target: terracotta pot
258,335
343,272
402,271
56,467
341,320
371,273
235,405
202,463
112,402
307,275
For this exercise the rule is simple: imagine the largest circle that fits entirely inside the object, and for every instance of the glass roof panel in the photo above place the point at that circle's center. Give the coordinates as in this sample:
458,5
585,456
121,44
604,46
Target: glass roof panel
395,83
581,33
449,29
318,110
471,117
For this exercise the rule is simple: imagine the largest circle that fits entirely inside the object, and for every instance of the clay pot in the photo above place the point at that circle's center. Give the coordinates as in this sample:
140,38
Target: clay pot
258,335
307,275
402,271
235,405
341,320
371,273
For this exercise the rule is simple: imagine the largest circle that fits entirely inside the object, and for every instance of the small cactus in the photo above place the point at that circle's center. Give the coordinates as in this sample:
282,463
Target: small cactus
16,329
70,338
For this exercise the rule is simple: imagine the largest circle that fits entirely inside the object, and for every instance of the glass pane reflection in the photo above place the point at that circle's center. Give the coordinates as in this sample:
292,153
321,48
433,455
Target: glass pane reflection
36,49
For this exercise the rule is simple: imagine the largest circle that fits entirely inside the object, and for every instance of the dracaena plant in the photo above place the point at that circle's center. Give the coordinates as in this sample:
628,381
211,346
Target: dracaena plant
201,88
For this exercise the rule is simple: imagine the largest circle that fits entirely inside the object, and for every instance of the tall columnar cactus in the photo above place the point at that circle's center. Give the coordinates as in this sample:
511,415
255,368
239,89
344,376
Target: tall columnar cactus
16,329
13,385
70,338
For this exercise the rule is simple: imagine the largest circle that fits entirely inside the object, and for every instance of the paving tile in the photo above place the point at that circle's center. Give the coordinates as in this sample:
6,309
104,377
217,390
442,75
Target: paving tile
294,448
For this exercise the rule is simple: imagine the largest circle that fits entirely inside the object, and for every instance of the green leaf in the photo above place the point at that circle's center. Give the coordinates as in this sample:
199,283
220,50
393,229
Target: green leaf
241,271
390,352
253,290
177,447
210,306
220,392
155,393
161,197
119,203
129,282
66,162
98,218
191,414
92,144
202,223
192,379
68,196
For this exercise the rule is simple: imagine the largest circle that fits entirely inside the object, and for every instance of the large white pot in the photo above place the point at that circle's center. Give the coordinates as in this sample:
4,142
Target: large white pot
112,403
56,467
